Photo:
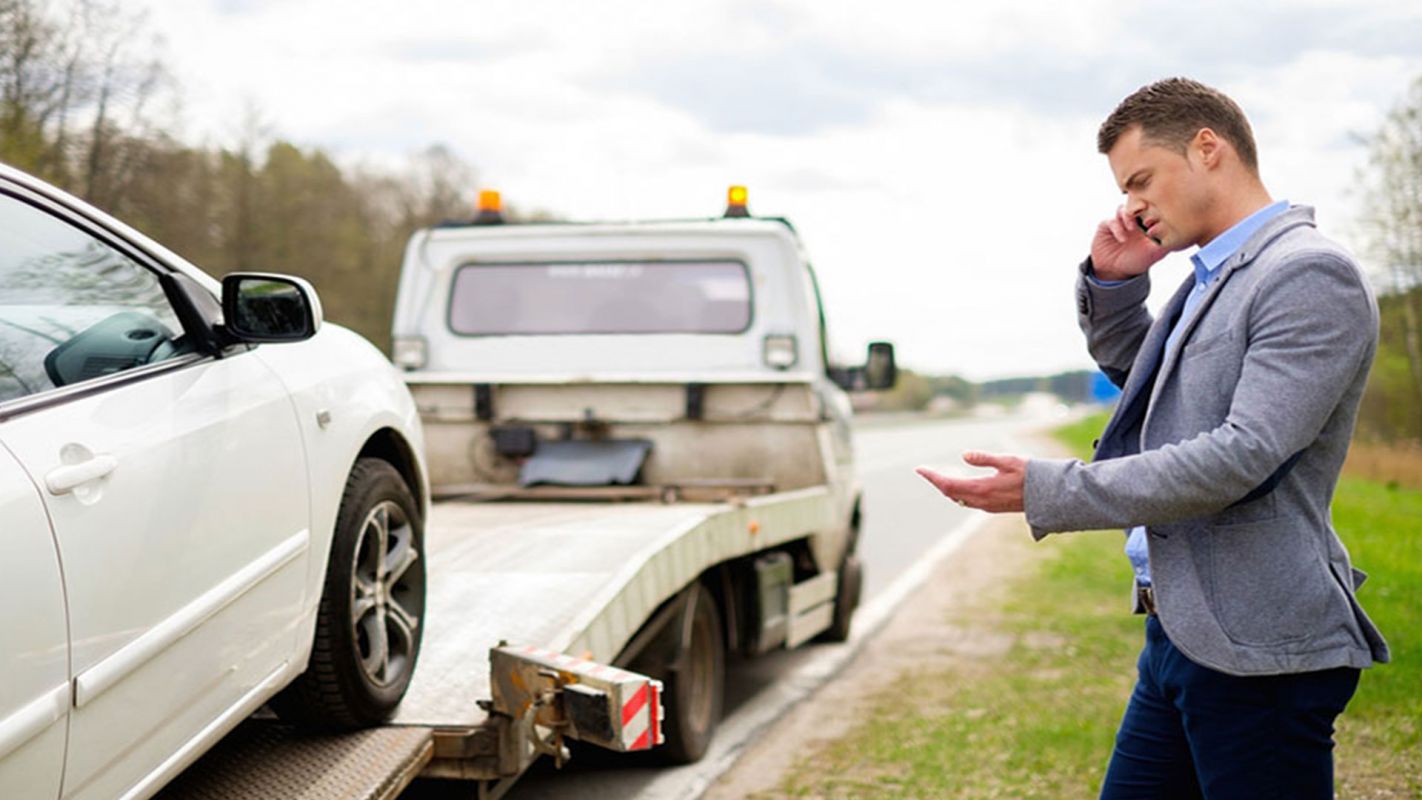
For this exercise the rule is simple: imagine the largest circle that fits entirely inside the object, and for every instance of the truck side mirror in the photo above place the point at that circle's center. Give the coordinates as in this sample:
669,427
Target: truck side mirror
880,370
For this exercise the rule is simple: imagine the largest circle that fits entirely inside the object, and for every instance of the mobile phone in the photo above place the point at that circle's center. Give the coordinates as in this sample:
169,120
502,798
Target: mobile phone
1140,223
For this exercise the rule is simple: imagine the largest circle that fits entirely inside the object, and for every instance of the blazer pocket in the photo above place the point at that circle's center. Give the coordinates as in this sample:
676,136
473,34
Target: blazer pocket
1267,585
1199,347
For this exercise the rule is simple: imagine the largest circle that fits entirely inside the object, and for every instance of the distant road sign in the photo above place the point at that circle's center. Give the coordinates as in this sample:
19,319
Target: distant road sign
1102,389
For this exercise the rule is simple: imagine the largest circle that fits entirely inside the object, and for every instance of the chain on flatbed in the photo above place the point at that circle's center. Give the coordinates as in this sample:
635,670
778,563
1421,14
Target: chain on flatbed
263,760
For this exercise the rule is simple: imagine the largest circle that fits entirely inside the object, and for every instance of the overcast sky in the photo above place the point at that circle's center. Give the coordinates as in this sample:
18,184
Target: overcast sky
938,158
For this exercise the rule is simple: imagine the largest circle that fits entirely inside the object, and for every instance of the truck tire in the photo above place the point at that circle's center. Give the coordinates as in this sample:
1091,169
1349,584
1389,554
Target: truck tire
694,686
851,582
369,623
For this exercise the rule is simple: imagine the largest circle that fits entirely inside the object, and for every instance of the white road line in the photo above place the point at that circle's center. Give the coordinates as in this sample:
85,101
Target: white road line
742,728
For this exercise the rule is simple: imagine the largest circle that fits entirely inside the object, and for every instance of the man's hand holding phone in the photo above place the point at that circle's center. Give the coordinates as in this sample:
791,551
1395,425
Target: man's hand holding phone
1121,249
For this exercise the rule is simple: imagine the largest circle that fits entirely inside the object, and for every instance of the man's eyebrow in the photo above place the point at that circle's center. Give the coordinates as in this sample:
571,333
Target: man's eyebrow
1134,179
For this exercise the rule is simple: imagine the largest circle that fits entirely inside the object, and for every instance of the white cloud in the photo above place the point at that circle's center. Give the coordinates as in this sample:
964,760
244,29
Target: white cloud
939,158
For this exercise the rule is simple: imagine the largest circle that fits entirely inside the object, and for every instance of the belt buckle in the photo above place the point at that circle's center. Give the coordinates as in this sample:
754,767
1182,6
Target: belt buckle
1146,595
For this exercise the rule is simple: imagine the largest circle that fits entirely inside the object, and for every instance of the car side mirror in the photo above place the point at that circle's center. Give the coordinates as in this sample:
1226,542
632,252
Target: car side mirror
880,370
259,307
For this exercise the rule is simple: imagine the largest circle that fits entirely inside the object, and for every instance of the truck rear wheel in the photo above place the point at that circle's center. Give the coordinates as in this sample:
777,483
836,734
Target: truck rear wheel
851,582
369,624
695,682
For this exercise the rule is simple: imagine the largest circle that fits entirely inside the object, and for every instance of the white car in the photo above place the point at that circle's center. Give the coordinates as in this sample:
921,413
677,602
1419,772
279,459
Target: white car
206,505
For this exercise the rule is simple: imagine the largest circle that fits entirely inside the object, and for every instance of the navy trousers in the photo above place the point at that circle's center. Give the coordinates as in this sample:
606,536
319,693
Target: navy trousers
1192,732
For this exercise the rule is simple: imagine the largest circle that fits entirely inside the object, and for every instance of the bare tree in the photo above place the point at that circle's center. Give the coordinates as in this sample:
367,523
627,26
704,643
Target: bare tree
34,88
1392,220
76,91
123,86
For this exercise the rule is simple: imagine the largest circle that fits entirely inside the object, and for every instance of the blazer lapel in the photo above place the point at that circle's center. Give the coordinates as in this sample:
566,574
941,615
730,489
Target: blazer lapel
1246,256
1188,326
1131,408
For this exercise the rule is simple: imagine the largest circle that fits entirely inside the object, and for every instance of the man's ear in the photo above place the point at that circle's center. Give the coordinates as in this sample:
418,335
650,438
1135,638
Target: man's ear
1208,147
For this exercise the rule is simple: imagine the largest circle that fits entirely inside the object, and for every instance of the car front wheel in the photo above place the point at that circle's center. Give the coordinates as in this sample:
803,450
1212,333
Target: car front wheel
368,626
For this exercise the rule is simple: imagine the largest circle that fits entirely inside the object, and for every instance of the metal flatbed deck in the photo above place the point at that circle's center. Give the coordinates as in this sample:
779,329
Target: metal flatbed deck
579,578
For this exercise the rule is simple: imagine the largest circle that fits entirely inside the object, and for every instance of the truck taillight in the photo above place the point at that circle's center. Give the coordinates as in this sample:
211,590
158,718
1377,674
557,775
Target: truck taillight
780,351
410,352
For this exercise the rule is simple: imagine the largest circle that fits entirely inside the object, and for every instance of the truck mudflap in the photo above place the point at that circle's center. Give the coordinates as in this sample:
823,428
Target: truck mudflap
574,697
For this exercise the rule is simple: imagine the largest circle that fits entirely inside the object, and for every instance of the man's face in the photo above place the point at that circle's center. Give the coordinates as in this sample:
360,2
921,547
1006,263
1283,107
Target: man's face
1164,189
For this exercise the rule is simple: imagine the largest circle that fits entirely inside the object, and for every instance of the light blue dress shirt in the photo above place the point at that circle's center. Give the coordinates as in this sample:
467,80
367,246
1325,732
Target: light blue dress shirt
1207,262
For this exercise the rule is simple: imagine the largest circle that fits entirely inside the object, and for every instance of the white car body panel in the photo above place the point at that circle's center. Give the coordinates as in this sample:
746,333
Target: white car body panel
190,502
340,377
34,695
194,544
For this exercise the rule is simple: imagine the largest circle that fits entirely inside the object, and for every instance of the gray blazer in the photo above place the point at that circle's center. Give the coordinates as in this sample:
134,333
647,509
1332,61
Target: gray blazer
1228,449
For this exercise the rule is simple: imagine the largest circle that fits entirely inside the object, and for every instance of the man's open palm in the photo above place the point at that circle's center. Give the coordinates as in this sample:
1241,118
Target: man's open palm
996,493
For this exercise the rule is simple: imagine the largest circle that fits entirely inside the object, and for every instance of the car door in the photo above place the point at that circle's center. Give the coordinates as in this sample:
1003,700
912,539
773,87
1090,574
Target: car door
34,657
176,487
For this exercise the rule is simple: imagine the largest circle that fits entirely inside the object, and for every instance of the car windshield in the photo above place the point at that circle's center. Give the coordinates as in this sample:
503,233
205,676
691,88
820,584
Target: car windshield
616,297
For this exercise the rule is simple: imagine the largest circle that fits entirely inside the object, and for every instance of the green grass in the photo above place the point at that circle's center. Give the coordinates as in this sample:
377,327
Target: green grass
1380,735
1037,719
1080,435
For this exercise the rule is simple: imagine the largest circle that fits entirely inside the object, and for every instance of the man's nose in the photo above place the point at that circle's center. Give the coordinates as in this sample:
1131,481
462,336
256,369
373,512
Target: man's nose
1134,205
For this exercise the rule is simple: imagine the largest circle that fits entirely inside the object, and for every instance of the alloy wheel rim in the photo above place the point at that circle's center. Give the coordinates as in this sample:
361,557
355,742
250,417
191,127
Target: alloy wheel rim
383,587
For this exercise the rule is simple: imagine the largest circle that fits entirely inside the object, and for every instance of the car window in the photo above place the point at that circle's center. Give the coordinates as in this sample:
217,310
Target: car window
71,307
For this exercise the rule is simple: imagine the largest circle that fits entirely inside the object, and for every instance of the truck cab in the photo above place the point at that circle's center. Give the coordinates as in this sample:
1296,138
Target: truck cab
706,337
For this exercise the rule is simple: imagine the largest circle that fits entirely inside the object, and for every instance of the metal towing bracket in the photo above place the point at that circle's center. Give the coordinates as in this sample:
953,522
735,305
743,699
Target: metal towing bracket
540,698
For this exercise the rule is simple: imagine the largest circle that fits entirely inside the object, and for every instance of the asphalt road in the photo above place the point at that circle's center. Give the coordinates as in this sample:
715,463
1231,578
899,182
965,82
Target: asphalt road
904,521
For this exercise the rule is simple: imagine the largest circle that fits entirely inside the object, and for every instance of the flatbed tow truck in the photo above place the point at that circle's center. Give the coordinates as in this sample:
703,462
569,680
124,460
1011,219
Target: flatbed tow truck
641,463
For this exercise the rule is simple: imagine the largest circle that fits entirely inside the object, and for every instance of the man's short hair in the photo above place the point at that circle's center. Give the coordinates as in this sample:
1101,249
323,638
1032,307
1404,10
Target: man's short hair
1172,111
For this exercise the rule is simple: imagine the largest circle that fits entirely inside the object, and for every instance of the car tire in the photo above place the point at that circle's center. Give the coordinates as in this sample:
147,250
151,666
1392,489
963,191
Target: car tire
846,600
369,624
694,687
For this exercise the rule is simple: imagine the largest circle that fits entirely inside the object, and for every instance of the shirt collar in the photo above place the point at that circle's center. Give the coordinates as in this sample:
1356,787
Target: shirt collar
1207,259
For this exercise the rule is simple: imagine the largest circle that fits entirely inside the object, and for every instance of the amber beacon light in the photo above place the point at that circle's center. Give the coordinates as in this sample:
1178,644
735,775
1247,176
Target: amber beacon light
736,198
490,208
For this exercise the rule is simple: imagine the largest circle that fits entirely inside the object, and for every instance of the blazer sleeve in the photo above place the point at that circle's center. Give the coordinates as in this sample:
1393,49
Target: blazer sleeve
1114,318
1312,327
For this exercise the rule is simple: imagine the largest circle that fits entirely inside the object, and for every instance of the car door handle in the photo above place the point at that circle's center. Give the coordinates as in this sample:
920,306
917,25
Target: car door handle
65,479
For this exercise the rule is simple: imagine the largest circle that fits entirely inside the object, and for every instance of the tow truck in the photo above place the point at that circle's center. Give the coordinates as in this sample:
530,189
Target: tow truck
641,463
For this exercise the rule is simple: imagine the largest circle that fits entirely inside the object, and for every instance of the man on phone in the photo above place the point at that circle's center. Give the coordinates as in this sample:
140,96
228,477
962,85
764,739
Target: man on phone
1220,461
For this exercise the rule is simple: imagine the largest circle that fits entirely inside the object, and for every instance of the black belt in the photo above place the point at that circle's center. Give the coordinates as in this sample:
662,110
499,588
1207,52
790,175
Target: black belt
1146,596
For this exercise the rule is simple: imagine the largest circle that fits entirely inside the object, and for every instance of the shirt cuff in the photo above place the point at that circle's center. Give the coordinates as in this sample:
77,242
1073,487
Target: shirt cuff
1089,270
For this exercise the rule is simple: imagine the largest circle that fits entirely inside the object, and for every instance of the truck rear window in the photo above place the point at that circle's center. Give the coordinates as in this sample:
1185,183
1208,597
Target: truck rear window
601,297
